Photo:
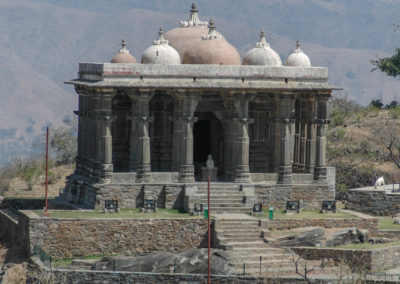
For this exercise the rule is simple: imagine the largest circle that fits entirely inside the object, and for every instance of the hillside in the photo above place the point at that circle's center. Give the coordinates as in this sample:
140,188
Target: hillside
42,41
357,140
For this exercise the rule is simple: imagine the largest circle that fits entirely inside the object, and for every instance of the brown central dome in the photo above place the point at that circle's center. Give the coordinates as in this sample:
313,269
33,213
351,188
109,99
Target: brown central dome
188,32
212,49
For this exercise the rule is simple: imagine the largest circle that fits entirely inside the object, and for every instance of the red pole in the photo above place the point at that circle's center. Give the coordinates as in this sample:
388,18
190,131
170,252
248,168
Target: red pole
47,165
209,231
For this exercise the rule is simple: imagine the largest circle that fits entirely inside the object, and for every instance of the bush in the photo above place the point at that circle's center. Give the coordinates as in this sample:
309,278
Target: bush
376,103
337,117
53,177
394,112
30,175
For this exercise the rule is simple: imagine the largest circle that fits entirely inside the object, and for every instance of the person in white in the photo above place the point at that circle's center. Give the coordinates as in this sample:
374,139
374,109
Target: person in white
379,182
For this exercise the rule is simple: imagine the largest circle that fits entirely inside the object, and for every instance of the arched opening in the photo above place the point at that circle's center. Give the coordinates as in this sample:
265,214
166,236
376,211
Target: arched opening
208,135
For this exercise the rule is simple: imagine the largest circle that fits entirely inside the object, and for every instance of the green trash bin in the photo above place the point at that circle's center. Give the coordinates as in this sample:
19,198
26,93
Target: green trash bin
206,211
271,212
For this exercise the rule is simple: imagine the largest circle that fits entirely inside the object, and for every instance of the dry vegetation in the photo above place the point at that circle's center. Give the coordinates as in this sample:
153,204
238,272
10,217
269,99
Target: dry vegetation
357,140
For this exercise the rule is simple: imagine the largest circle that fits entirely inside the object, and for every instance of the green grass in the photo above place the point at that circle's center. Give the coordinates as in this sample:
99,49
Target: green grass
386,223
306,214
68,261
366,246
124,213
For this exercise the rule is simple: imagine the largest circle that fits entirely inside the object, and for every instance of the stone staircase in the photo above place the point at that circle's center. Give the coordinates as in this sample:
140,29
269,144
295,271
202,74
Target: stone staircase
242,239
224,198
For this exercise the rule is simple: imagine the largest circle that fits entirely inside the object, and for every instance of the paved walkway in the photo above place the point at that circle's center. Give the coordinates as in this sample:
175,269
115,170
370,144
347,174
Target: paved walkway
358,214
232,216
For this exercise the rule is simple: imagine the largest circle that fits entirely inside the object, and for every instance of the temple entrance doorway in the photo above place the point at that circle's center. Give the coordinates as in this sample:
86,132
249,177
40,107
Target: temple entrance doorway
208,136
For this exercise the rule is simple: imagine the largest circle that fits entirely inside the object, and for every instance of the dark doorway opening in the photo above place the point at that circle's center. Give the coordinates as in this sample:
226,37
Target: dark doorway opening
202,141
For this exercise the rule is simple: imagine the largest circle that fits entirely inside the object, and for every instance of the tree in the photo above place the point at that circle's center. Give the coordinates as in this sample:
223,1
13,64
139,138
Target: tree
389,65
63,141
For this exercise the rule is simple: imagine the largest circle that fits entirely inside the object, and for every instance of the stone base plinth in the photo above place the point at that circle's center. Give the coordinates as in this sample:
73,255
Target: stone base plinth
206,172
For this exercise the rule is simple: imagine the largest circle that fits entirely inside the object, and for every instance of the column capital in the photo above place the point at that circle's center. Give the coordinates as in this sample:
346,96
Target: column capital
140,94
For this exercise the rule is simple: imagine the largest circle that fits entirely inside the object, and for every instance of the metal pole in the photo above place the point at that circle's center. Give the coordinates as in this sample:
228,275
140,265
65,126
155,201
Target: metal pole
260,264
47,166
209,231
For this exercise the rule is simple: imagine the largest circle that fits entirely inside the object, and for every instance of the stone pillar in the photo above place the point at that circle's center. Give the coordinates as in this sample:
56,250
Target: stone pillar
303,138
177,134
285,106
141,136
310,142
242,171
321,122
102,145
229,162
276,136
237,105
184,120
296,152
81,113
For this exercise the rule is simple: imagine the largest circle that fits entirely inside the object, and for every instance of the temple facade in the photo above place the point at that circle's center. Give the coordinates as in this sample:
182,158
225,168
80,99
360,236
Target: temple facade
147,129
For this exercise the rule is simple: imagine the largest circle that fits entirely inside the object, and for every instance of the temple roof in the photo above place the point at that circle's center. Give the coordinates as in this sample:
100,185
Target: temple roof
205,77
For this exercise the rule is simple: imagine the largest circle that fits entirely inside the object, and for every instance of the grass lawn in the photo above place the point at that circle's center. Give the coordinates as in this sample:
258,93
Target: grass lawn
386,223
306,214
68,261
124,213
366,246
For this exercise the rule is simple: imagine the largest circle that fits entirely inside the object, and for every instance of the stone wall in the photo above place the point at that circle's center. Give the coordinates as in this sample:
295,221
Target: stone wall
369,224
375,202
36,268
9,231
374,260
64,238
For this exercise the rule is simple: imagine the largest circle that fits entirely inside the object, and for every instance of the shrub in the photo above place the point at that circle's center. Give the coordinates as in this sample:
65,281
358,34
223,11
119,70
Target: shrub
394,112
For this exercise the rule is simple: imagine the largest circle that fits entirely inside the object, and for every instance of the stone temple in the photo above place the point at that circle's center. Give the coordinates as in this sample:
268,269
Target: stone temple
193,108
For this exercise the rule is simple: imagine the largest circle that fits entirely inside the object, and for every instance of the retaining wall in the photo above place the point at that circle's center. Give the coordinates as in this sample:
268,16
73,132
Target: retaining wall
369,224
65,238
375,202
374,260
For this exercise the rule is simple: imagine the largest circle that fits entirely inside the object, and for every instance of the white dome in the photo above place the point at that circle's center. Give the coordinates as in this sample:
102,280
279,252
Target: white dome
298,58
160,52
262,54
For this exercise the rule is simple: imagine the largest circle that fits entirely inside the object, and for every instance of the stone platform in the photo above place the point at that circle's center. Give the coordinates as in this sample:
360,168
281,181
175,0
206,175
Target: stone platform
378,202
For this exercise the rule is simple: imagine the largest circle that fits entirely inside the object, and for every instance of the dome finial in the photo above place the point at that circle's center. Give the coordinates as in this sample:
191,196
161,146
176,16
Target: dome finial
123,55
161,39
123,49
212,33
194,8
263,42
194,18
298,49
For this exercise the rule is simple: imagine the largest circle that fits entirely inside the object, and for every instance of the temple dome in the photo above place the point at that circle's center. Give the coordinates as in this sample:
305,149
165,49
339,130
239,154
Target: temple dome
160,52
188,33
212,49
123,55
298,58
262,54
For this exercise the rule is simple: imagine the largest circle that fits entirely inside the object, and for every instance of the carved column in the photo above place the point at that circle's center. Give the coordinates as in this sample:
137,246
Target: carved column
321,122
285,106
229,162
310,143
184,120
141,137
303,138
276,136
81,113
237,105
296,153
102,137
177,134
